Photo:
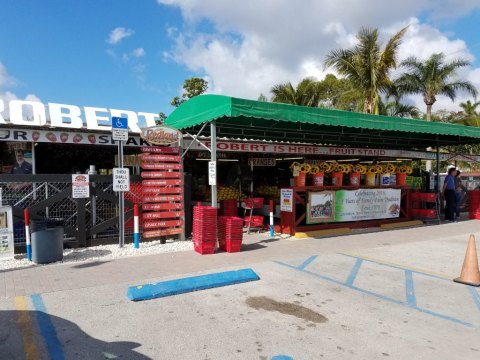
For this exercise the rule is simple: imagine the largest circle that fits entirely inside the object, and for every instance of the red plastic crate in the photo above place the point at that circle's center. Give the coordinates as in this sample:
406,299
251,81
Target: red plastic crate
425,197
228,208
233,246
204,248
230,245
252,203
425,213
257,221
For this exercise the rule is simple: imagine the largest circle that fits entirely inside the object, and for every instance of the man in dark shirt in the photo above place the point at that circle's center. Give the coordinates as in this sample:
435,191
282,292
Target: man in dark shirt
20,166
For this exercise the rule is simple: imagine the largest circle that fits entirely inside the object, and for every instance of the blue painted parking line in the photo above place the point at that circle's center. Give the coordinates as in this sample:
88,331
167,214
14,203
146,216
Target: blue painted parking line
475,296
353,274
395,266
194,283
410,302
307,262
47,329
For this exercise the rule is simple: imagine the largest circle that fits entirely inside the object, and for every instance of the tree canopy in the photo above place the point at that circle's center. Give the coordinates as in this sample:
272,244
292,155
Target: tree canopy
433,77
367,66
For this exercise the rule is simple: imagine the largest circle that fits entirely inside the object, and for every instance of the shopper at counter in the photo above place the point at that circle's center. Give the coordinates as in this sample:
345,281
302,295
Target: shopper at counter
448,193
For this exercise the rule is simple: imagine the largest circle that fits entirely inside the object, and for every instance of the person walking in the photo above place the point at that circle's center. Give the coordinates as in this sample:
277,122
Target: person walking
448,193
459,192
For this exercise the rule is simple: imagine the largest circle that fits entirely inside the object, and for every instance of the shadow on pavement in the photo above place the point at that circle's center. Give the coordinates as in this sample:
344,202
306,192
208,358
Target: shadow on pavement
89,264
19,326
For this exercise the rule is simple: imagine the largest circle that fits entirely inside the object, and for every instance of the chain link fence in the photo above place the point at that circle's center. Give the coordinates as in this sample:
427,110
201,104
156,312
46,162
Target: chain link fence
25,195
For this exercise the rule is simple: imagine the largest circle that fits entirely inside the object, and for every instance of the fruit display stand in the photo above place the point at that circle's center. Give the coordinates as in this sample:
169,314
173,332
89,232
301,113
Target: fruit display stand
296,220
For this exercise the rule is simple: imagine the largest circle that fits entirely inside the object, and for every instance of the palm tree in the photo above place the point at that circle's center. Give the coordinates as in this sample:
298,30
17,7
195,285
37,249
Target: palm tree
306,93
397,109
433,77
367,66
470,108
469,115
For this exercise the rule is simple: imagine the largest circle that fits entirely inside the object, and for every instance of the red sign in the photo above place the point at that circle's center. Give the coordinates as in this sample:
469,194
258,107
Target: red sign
158,233
161,224
162,187
160,135
161,175
174,158
158,190
162,182
154,166
164,206
162,198
162,215
160,149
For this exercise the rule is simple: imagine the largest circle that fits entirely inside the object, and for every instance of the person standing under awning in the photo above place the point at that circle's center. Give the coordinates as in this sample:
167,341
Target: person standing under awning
448,193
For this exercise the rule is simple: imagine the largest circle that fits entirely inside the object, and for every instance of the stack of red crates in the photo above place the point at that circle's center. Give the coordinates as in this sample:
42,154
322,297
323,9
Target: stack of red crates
204,229
419,205
228,208
230,233
474,204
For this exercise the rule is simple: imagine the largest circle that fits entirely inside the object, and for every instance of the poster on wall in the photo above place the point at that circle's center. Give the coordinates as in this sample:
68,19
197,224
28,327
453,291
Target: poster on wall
353,205
321,207
286,200
18,158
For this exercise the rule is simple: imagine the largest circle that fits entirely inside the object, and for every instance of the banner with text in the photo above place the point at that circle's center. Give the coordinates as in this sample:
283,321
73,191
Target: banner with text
353,205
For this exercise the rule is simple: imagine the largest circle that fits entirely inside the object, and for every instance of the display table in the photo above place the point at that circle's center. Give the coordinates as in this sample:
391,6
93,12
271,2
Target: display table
327,207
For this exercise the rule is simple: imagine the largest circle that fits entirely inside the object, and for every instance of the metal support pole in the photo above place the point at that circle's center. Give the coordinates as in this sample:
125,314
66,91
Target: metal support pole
121,198
213,157
34,171
438,170
93,199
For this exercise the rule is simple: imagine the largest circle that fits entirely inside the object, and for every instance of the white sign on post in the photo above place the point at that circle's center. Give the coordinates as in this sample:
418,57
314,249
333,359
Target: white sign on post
121,179
286,200
119,128
80,186
212,173
6,233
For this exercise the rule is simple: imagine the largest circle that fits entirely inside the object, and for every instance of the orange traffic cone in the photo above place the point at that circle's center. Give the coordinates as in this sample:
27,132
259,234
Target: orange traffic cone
470,274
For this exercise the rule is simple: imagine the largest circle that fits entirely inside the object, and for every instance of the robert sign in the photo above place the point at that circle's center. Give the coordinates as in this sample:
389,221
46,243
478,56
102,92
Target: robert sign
34,113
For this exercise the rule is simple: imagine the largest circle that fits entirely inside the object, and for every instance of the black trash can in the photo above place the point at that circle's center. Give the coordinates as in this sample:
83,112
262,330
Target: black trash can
47,240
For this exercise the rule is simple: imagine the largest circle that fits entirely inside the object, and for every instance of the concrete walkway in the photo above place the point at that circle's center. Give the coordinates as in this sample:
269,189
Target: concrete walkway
369,295
437,249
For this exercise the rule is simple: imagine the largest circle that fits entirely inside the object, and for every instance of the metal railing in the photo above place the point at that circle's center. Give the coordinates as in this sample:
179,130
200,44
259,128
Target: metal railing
50,197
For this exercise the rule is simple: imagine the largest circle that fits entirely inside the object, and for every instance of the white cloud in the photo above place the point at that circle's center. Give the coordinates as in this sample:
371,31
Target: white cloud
262,43
136,54
139,52
8,96
118,34
5,78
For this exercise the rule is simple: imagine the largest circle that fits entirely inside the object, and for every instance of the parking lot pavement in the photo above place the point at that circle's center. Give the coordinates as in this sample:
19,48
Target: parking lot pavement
373,296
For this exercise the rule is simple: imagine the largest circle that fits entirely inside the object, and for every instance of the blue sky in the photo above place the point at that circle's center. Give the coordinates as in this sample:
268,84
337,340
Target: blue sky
59,50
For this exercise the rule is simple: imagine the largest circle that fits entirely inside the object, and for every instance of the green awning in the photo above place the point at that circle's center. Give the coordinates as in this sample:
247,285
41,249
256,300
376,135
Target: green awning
256,120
